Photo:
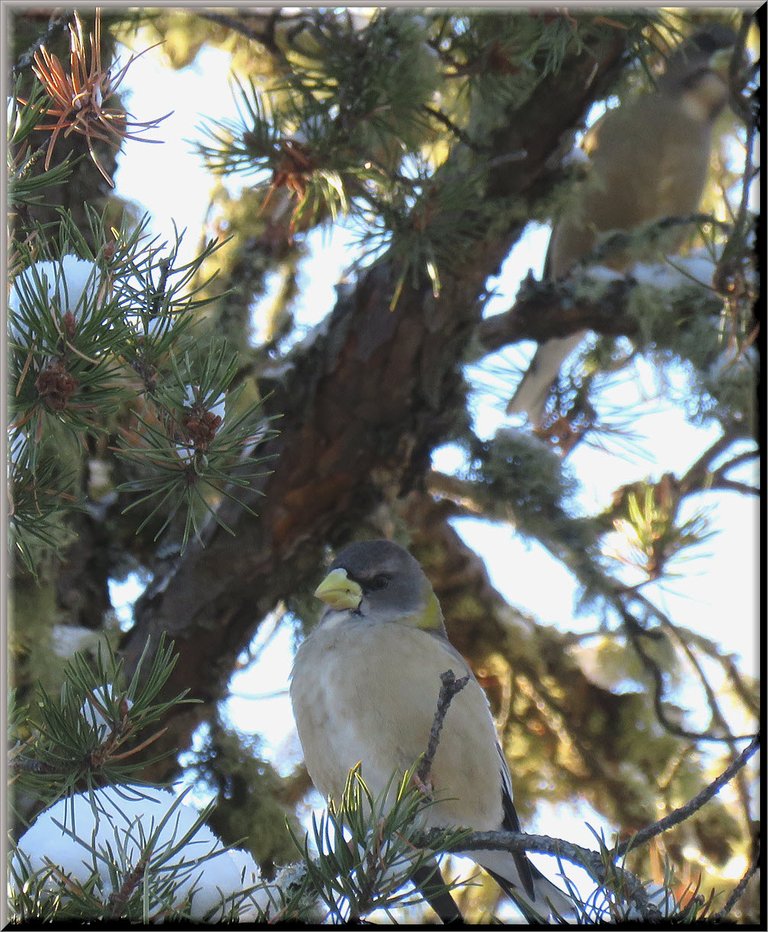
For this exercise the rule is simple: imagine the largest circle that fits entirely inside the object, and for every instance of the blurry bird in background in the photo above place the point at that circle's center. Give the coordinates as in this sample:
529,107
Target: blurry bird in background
649,160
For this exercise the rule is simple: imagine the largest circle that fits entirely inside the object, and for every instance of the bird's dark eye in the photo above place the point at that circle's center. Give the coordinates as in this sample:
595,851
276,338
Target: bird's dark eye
378,582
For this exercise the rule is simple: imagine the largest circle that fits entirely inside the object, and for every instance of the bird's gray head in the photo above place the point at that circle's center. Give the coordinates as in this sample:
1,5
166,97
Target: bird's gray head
694,58
380,580
697,72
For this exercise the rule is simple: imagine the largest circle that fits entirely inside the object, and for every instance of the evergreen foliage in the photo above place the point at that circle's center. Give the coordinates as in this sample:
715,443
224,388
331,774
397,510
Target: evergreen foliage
165,425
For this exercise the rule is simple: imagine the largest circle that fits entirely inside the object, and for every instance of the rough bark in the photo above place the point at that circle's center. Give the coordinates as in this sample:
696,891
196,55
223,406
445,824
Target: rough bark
544,310
363,406
548,309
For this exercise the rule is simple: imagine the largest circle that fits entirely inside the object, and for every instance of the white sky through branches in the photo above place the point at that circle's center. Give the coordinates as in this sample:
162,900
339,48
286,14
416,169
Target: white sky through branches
715,593
169,181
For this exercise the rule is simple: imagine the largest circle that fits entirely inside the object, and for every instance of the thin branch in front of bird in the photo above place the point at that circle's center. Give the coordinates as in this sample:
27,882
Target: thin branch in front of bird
571,420
493,379
614,435
450,687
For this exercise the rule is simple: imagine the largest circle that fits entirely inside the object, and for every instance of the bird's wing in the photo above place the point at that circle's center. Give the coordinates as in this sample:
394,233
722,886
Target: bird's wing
511,823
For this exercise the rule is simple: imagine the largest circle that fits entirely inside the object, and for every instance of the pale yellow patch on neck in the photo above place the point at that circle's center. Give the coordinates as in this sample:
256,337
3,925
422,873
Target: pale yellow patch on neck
706,99
431,619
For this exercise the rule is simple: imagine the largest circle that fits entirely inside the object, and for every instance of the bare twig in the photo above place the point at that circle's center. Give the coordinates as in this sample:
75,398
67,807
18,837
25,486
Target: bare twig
450,687
738,76
685,812
266,37
602,871
635,632
56,25
731,485
718,717
453,128
739,686
696,473
744,457
741,886
701,477
557,721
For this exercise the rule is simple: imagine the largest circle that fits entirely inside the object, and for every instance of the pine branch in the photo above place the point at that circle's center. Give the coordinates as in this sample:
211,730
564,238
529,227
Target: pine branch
117,900
605,872
602,870
682,813
546,309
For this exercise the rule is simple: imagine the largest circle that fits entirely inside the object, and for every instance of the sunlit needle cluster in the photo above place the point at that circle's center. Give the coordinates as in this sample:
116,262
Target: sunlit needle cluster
78,98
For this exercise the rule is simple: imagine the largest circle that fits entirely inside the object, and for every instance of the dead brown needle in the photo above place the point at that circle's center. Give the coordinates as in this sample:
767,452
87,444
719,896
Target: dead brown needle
78,98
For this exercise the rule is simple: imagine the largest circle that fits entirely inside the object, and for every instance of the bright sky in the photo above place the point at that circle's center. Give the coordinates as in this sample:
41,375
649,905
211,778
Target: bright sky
717,596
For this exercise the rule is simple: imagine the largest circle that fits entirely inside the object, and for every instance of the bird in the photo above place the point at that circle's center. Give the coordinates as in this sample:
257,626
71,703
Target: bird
364,688
648,159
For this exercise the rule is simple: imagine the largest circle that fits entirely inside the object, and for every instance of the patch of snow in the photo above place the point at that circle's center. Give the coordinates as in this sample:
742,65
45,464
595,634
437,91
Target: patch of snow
89,834
70,285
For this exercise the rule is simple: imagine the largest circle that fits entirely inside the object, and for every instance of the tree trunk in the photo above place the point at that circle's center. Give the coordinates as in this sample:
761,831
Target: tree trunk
362,407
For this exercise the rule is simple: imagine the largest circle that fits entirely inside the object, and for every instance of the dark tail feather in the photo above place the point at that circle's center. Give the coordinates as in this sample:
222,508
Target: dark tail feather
429,882
548,899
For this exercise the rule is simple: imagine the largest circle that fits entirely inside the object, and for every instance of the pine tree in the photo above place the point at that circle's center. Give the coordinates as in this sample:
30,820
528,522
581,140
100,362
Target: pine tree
152,432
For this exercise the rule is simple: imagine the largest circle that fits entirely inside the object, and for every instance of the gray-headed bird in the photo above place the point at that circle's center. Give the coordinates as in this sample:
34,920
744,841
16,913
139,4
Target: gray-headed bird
365,687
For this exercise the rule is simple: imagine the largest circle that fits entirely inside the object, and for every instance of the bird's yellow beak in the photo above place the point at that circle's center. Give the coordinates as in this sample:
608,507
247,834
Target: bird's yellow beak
338,591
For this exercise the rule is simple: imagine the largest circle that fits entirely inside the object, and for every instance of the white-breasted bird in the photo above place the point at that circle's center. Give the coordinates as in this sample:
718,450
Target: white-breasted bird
365,687
649,159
